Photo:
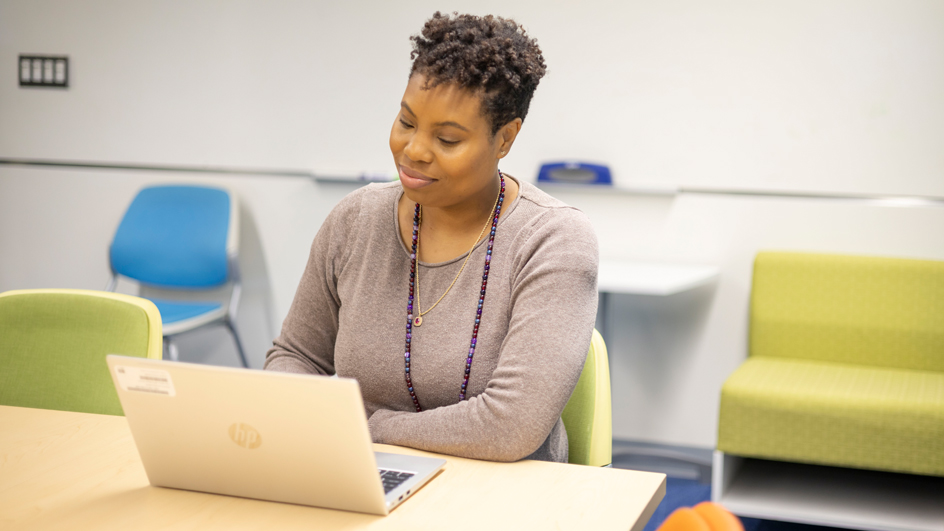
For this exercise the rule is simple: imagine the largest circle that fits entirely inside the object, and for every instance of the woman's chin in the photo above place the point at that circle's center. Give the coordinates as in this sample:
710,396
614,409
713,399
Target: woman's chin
414,195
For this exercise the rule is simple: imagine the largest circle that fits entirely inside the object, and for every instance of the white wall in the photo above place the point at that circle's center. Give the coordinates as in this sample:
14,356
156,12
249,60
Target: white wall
834,96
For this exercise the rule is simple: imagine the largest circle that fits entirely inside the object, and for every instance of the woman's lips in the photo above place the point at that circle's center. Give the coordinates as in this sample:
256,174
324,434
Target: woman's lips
413,179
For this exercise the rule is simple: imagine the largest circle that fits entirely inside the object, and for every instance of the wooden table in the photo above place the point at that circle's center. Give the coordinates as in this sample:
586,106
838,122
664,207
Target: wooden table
64,470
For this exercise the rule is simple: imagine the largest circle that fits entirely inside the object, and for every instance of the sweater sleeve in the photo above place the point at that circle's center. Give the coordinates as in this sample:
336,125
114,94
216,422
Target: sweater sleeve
306,342
553,308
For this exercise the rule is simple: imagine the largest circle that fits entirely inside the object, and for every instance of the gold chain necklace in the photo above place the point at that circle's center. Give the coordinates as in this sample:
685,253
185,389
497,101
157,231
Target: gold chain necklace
419,311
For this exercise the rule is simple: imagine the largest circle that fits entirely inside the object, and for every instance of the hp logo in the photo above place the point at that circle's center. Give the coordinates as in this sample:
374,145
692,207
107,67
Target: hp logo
245,435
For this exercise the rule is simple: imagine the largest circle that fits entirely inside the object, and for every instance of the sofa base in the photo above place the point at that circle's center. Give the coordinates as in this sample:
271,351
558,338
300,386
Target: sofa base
828,496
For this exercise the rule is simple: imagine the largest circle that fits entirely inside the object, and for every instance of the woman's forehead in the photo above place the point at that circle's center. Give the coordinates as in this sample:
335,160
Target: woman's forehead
445,102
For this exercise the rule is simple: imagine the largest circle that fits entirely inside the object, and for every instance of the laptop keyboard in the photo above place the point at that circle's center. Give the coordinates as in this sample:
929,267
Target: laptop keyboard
393,478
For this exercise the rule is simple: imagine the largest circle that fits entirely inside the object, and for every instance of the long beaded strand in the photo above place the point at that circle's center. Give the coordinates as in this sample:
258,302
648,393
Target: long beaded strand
478,311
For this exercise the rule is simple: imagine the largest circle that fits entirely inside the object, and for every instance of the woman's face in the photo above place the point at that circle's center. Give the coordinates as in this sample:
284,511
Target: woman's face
443,145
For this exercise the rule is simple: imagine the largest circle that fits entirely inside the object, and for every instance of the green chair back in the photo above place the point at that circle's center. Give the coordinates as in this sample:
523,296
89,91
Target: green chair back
588,415
883,312
53,345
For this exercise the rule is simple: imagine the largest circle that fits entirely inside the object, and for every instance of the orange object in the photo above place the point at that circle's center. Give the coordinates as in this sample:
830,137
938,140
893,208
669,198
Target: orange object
705,516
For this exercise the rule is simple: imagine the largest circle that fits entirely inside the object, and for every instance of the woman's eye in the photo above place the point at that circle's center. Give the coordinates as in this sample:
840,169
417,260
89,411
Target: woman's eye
449,142
405,125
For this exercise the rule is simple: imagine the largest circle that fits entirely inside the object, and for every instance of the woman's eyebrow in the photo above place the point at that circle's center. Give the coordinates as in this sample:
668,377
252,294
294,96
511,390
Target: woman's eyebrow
453,124
438,124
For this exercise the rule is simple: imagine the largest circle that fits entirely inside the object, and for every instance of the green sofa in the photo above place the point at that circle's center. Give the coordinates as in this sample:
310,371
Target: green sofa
845,367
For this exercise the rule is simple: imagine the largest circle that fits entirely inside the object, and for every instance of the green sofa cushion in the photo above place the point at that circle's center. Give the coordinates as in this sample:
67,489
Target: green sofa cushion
883,312
828,413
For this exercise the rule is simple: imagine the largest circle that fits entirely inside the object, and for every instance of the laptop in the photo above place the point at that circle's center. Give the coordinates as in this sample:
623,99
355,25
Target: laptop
259,434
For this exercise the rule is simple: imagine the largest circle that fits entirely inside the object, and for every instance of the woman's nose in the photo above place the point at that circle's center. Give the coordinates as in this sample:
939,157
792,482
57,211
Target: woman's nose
417,150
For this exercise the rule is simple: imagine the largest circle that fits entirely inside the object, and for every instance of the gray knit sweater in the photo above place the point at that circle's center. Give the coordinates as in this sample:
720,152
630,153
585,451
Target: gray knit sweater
349,317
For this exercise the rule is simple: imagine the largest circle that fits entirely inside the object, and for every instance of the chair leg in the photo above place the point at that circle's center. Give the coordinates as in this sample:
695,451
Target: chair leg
239,344
170,350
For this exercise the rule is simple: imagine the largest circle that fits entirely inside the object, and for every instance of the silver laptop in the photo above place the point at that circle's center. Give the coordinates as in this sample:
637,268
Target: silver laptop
260,434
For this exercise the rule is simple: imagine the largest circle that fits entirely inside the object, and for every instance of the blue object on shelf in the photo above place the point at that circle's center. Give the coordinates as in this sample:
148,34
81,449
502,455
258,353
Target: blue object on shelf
575,173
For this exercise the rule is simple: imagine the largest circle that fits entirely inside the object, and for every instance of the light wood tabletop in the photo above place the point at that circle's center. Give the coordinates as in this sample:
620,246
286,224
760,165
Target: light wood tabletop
64,470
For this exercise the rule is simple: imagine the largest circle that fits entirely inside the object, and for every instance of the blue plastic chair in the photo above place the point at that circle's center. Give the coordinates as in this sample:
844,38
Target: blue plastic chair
182,238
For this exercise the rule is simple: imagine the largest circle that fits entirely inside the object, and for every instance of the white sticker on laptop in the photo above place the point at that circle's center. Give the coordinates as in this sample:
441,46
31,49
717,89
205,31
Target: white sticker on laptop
154,381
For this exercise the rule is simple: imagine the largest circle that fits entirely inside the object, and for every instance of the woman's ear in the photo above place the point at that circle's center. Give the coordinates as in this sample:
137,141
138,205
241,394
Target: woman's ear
507,135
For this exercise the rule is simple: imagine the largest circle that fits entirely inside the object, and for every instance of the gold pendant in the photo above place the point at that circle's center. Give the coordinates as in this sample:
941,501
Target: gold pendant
418,320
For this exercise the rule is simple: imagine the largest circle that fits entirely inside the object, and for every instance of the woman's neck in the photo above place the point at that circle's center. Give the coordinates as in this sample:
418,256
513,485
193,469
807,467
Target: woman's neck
462,217
449,232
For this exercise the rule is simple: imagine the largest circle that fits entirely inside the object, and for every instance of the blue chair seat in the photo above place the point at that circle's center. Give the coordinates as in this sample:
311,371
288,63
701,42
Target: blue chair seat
180,316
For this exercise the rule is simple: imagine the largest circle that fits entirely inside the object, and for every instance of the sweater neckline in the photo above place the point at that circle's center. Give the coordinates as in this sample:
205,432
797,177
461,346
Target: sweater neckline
505,213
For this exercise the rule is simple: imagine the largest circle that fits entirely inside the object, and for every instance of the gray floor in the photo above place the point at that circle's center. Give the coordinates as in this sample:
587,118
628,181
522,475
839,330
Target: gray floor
689,480
680,462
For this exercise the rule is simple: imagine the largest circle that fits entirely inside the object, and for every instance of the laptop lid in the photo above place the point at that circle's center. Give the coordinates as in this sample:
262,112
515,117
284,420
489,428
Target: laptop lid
256,434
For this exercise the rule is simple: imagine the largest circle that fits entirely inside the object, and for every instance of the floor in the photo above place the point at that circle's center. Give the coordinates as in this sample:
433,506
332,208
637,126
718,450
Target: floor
689,481
689,492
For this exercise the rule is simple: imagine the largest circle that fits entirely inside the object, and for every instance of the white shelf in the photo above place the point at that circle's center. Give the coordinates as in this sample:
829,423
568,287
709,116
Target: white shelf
829,496
652,278
657,190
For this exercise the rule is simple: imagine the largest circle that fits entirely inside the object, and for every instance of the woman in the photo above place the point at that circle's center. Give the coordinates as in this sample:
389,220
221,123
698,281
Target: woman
461,299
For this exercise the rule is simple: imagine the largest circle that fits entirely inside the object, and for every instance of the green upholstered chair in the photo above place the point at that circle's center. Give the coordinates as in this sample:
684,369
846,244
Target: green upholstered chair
53,344
845,367
588,414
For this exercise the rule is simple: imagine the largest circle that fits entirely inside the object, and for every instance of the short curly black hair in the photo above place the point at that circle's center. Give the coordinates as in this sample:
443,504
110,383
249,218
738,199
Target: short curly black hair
490,54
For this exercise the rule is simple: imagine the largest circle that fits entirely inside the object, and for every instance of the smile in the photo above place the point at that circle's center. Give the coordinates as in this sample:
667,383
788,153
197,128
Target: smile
413,179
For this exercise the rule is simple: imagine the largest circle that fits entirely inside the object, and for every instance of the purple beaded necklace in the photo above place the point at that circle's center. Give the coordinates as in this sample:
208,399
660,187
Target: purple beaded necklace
478,313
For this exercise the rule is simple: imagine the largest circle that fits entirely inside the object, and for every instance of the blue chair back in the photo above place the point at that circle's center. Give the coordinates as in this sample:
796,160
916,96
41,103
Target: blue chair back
174,236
